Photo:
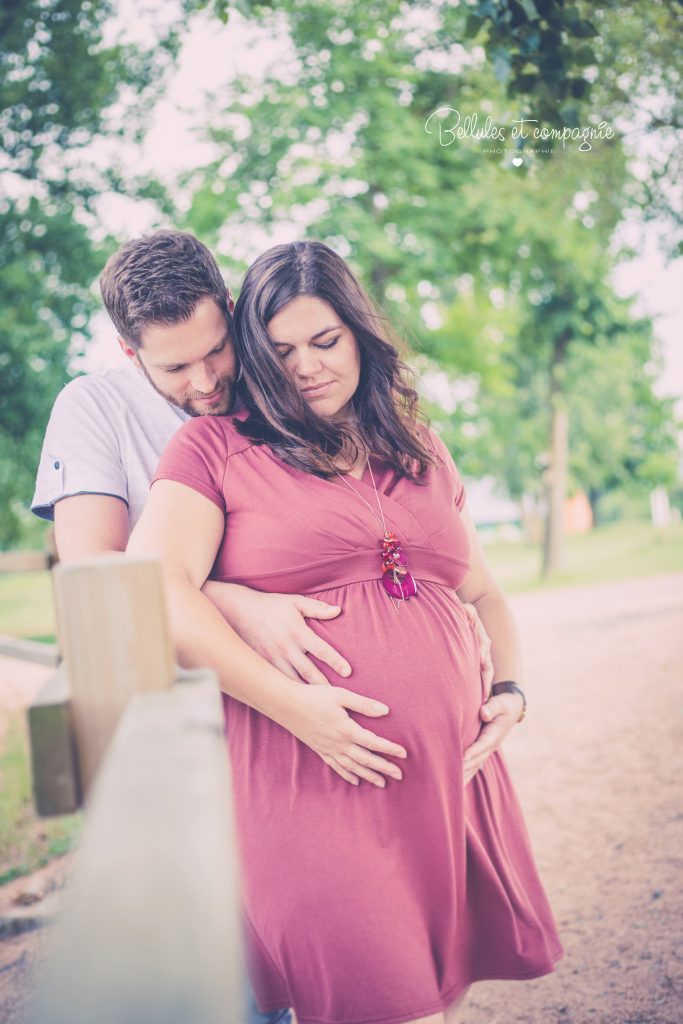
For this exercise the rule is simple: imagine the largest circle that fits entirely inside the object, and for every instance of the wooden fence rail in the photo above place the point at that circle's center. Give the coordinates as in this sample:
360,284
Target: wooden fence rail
150,930
24,561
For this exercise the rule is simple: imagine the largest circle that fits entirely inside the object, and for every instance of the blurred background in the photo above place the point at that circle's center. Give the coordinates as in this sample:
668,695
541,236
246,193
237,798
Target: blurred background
538,281
505,177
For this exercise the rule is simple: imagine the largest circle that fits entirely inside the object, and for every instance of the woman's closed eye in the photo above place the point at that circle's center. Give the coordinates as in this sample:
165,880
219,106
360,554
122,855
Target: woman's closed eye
283,353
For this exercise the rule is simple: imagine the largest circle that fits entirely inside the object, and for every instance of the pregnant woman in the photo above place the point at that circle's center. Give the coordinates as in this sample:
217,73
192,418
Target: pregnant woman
380,884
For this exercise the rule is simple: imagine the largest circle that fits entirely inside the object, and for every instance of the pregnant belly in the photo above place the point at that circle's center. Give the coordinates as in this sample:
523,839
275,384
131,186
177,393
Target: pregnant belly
420,657
423,663
296,817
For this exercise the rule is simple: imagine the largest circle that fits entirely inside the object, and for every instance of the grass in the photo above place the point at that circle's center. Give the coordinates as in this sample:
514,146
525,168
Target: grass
615,552
26,607
26,841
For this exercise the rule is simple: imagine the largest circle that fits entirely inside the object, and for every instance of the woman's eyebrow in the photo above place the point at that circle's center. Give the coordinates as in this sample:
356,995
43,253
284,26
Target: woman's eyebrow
325,330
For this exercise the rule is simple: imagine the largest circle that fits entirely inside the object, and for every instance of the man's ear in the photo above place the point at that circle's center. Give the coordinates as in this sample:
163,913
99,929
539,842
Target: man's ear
128,349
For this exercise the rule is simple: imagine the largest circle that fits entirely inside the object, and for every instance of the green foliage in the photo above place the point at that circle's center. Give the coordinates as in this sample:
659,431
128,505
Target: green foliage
640,70
538,50
574,63
622,433
46,262
62,86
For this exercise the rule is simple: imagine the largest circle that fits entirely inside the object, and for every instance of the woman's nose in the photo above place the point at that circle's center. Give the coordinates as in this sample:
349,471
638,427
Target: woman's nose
307,363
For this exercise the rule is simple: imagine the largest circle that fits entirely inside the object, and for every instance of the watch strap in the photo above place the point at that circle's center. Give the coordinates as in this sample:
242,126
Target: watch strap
508,686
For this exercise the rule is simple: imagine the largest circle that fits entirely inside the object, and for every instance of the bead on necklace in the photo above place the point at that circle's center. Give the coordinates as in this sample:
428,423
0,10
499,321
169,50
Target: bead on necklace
399,584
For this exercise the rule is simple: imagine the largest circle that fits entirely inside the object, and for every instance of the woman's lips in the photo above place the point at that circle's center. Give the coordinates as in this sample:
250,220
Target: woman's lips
317,391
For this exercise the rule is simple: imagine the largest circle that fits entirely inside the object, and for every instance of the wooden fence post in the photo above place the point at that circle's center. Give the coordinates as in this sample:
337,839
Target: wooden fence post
150,932
54,757
114,636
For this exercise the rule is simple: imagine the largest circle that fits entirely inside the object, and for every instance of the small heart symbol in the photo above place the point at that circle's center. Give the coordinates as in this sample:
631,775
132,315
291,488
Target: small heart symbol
517,161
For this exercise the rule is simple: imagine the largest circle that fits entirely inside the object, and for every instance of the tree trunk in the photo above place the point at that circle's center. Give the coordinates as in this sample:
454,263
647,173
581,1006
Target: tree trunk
556,475
594,496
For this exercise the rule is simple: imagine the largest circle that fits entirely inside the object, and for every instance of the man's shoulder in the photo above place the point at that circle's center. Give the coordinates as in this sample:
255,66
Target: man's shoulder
100,388
118,394
210,431
112,382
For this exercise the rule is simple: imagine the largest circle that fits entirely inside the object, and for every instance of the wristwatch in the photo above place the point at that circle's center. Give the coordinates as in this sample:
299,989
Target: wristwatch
508,686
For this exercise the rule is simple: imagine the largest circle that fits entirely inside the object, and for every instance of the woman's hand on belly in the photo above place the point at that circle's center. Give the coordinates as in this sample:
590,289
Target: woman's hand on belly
318,716
499,715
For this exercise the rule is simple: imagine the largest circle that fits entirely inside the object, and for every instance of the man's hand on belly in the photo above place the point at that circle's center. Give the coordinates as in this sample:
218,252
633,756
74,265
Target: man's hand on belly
275,626
485,659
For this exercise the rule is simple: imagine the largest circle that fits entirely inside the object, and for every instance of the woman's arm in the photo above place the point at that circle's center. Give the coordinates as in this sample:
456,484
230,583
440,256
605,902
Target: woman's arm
185,530
499,714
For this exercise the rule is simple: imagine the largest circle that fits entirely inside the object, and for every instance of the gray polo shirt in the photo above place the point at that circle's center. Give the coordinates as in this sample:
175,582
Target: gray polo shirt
106,433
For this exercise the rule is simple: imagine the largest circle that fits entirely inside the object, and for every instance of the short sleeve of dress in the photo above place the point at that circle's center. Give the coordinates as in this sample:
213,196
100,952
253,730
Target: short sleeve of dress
197,456
445,457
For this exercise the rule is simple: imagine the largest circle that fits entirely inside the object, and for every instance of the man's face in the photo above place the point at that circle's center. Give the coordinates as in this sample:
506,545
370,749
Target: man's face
191,364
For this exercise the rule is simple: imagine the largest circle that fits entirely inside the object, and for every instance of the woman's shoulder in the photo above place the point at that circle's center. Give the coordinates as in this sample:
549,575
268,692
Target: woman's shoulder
214,432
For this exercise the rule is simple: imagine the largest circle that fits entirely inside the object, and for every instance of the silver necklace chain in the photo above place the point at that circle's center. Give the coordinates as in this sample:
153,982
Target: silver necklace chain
380,518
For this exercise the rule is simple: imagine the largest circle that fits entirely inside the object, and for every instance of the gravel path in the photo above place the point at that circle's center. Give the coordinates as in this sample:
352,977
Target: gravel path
598,765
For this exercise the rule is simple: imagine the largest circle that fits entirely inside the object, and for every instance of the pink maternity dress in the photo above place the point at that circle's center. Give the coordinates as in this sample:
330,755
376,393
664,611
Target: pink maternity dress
367,905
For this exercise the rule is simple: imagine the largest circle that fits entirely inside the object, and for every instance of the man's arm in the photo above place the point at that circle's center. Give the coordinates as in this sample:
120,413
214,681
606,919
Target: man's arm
184,529
275,626
90,524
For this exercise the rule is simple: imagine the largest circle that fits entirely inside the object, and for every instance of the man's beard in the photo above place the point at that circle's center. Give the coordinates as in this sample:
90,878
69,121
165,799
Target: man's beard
187,402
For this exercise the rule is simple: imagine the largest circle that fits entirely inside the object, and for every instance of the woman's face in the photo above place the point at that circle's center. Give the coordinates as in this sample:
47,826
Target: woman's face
320,353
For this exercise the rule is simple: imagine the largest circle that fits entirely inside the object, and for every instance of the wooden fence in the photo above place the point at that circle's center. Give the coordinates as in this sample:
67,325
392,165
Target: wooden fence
24,561
31,561
150,929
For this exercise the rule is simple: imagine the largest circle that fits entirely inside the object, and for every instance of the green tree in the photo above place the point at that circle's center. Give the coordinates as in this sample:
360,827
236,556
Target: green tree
572,61
63,87
623,435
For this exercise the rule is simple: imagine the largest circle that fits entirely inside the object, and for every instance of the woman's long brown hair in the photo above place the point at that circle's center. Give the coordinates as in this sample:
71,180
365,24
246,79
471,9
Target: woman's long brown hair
385,403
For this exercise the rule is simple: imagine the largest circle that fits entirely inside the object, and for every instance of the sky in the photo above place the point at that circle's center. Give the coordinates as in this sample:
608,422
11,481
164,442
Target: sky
210,55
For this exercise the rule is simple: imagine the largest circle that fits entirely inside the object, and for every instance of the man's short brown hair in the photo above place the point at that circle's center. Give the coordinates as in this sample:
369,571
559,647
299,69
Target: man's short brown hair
159,279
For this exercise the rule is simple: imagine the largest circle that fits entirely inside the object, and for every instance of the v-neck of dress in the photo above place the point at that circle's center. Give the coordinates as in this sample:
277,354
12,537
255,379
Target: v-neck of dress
366,476
397,515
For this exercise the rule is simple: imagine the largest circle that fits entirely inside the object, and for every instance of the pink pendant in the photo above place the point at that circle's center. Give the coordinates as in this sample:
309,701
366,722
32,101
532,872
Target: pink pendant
402,587
396,580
